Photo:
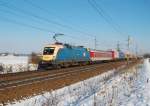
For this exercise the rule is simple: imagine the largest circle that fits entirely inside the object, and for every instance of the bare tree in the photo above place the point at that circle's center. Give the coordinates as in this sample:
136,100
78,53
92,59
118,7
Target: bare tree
1,68
34,58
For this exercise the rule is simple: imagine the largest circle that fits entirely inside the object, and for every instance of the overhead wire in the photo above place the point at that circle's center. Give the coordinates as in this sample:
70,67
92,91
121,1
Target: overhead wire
42,18
18,15
98,8
107,15
31,26
12,7
25,25
101,13
37,17
35,27
58,16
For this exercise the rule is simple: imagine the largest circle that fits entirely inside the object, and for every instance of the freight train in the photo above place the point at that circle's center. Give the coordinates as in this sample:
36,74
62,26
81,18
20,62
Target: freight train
64,55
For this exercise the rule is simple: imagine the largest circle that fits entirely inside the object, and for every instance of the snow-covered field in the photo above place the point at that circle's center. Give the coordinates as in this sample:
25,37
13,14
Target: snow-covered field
10,64
128,88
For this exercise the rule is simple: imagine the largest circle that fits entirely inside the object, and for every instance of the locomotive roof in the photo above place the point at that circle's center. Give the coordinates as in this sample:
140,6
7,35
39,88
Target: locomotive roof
60,45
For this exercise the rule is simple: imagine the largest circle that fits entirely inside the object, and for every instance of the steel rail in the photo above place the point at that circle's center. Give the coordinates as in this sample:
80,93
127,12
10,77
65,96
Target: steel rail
16,83
42,73
47,76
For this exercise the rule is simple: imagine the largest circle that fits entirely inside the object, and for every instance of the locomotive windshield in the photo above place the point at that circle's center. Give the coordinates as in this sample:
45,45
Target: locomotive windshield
48,50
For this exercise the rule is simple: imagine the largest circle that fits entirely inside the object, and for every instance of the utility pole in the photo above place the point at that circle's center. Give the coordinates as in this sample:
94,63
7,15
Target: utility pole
118,46
95,43
136,50
128,46
128,43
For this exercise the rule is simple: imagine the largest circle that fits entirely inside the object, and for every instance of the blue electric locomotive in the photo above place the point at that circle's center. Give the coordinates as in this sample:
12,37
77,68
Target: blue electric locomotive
64,55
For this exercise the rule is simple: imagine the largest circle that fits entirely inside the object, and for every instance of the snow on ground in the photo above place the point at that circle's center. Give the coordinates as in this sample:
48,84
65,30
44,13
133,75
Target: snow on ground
10,63
70,95
10,59
130,87
139,90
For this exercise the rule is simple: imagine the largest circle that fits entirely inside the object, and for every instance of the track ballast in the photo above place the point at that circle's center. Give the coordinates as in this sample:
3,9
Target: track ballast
19,85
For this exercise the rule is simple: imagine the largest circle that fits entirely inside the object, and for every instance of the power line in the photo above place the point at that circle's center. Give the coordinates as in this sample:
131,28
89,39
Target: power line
23,24
49,12
106,15
18,15
37,17
101,12
26,25
34,27
61,18
43,18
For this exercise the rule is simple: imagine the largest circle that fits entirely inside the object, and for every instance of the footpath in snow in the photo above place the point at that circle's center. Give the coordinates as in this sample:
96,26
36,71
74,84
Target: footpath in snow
128,88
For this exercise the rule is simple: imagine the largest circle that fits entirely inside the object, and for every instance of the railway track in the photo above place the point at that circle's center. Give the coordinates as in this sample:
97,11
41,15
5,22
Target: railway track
35,77
28,74
15,76
18,86
10,84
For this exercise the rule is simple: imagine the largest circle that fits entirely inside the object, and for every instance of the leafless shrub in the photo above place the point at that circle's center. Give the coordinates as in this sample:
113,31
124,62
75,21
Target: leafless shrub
34,58
52,100
32,67
1,68
9,69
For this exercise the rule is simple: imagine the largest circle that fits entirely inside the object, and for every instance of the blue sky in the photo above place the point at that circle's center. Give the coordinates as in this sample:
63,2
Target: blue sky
77,20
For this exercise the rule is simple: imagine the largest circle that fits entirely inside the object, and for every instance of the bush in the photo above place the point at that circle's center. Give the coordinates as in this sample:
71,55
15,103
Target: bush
1,68
147,55
35,58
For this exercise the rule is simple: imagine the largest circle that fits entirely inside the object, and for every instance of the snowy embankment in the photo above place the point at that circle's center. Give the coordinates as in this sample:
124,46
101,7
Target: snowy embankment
128,88
70,95
10,64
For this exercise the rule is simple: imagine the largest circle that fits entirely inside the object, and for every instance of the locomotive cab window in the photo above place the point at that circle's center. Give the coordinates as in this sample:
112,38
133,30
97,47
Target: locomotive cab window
48,50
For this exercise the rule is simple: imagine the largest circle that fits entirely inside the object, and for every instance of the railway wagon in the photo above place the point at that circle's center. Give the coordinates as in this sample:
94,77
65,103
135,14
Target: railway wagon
115,54
98,55
122,55
63,55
